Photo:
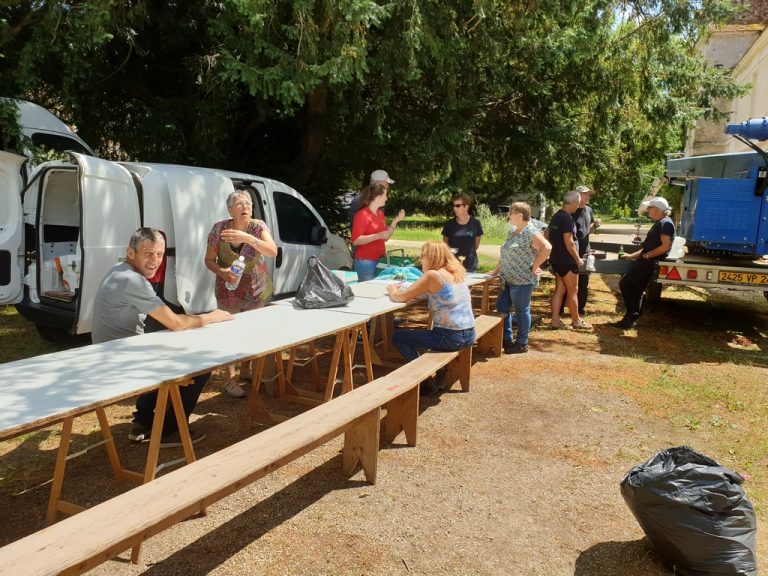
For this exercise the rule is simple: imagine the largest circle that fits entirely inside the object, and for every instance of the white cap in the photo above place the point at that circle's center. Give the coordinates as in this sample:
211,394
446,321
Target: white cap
584,189
660,203
381,176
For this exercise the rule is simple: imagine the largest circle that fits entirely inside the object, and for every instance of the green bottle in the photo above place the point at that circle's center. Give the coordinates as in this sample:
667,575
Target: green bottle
621,251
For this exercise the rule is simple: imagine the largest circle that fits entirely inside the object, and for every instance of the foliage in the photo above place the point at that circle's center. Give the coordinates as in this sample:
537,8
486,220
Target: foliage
486,97
495,226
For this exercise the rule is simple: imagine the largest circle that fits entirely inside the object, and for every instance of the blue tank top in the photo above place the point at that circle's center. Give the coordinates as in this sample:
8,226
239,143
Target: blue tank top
451,306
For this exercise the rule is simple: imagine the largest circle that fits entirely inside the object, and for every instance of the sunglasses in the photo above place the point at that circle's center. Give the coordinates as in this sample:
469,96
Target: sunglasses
458,205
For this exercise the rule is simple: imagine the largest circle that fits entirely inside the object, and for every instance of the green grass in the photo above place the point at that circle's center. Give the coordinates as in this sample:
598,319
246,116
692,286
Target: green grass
19,339
421,228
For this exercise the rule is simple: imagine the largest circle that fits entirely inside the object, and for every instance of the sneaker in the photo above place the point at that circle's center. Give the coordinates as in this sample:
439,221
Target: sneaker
624,323
174,440
440,380
232,388
518,349
508,345
139,433
428,387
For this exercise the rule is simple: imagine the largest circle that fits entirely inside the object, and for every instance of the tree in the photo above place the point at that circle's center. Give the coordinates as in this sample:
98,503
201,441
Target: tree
488,97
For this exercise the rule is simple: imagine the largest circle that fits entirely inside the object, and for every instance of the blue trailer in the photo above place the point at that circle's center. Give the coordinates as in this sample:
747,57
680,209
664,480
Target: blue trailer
724,216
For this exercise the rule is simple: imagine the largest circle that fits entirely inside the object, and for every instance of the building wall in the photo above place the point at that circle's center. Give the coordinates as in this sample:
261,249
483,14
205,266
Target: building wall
742,49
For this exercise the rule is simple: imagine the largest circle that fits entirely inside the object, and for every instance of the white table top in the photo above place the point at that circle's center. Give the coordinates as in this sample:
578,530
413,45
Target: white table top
40,391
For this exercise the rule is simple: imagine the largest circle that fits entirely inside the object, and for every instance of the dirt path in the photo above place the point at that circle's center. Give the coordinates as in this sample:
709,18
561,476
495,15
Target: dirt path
518,477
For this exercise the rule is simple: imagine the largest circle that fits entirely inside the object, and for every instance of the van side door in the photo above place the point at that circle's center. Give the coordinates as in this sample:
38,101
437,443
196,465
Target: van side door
198,200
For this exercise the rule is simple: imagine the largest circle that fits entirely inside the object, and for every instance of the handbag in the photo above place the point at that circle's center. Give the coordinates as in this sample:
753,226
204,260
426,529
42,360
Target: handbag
321,288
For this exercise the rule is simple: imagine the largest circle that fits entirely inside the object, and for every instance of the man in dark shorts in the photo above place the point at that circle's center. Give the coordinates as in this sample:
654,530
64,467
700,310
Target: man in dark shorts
585,222
655,247
564,261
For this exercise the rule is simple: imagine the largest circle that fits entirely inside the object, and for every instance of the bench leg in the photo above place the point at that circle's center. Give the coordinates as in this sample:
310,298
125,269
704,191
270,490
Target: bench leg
361,446
58,471
491,343
257,410
459,369
402,415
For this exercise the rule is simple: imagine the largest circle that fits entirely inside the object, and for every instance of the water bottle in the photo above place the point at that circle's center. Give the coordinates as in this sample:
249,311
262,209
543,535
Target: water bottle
238,266
590,264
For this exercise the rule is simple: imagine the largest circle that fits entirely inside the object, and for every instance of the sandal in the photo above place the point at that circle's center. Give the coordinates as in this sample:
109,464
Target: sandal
582,326
559,325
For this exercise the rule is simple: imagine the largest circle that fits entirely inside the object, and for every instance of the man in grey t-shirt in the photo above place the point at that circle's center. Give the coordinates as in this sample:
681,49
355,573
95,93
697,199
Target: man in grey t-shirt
124,300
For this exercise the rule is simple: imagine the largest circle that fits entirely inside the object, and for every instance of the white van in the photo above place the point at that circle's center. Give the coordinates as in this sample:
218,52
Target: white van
65,228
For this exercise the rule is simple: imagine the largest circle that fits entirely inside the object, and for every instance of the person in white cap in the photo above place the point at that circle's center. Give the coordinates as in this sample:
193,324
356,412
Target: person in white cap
655,247
369,226
377,176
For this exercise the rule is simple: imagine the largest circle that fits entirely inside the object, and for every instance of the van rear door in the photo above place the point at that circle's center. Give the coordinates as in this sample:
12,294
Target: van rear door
198,200
11,229
109,205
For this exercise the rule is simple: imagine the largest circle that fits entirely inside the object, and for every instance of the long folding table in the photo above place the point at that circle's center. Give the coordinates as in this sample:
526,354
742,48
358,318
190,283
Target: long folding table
56,388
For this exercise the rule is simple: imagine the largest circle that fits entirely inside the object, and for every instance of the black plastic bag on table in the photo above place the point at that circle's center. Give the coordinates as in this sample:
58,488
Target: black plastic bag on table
321,288
694,512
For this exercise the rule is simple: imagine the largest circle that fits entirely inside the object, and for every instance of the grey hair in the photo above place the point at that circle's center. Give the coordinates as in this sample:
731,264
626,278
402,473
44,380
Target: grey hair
235,195
145,235
571,197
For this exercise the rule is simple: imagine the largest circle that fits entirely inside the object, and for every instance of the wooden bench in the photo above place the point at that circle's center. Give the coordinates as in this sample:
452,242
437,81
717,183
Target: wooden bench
95,535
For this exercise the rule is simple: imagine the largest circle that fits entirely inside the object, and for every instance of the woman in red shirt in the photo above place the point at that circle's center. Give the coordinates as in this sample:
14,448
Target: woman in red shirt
370,230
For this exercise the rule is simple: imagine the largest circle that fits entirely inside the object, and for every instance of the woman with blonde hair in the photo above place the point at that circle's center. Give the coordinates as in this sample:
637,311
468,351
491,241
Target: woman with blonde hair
450,304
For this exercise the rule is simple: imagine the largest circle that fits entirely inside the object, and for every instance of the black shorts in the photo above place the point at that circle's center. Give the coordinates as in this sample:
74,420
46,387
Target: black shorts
563,269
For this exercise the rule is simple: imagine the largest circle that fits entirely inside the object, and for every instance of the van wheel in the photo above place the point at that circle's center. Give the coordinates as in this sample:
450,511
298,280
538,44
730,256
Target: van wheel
59,336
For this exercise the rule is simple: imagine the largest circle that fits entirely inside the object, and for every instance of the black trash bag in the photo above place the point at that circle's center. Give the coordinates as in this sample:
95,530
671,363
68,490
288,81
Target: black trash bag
694,512
321,288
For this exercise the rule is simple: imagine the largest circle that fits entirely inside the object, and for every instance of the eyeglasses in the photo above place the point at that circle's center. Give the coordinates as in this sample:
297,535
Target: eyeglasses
458,205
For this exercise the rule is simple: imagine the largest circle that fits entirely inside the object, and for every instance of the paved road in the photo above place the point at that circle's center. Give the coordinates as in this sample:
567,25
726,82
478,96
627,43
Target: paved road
609,234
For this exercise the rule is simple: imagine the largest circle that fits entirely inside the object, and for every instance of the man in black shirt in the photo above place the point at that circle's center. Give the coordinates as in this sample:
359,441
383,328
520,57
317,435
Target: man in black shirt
585,222
564,260
655,247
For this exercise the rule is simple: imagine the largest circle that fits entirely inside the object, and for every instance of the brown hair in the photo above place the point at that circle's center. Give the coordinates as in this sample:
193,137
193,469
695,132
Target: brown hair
440,256
464,199
373,190
521,208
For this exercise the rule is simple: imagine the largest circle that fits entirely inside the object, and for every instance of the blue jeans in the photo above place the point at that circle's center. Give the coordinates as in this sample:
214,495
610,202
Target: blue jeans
409,342
366,269
520,296
145,405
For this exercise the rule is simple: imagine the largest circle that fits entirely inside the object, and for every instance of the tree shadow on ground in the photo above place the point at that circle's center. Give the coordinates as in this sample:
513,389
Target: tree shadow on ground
691,326
218,545
635,558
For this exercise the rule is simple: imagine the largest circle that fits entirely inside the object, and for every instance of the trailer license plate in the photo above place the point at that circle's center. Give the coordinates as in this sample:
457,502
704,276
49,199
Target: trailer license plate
743,278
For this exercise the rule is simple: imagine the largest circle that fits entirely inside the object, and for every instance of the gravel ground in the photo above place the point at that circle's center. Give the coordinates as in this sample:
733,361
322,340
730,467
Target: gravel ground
520,476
